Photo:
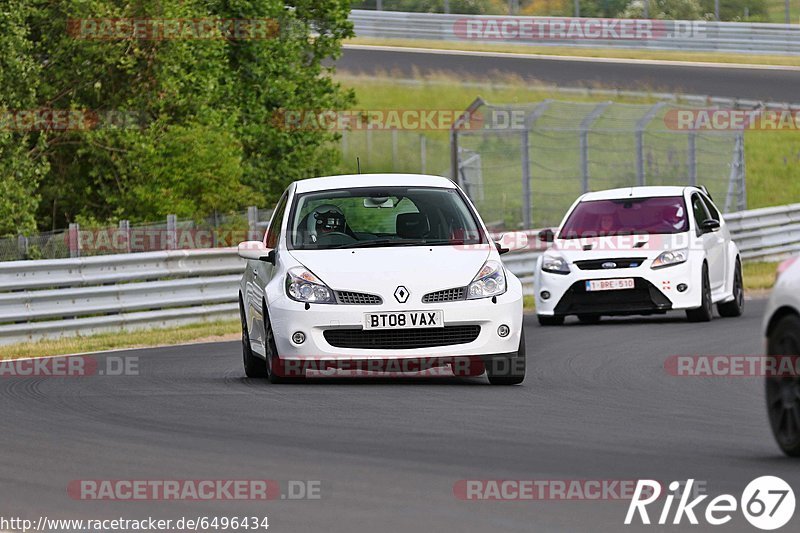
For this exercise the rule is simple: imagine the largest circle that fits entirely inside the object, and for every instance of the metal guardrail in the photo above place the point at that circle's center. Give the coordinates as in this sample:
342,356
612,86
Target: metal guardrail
84,296
699,36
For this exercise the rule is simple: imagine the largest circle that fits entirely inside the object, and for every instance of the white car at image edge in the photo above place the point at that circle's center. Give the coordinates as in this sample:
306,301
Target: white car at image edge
375,268
639,250
781,328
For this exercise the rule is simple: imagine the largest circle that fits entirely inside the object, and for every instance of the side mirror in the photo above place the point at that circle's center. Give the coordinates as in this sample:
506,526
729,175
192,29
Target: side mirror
512,242
709,225
547,235
256,251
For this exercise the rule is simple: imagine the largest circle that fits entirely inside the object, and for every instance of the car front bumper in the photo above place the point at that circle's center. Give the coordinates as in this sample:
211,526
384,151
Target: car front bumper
654,291
332,330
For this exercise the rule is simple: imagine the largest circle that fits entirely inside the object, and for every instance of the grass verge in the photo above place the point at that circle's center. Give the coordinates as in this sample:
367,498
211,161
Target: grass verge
612,53
202,332
759,276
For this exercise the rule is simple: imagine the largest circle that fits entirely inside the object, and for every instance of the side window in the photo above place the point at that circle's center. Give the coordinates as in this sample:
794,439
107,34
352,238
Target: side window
700,214
712,210
274,231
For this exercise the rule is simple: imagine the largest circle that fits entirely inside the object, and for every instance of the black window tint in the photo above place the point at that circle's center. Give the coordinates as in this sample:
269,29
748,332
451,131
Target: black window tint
275,224
700,214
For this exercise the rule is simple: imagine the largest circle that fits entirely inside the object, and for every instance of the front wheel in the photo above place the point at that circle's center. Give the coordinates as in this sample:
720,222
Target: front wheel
254,366
736,306
783,392
705,311
508,370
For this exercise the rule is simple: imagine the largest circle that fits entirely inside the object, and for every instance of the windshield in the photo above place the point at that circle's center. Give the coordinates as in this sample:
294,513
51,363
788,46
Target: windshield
626,216
382,217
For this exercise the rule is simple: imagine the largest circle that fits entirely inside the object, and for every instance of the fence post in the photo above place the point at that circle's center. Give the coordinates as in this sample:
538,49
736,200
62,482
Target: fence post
586,123
394,148
369,143
692,158
344,144
455,166
252,223
74,240
641,124
125,230
423,155
527,208
22,244
172,232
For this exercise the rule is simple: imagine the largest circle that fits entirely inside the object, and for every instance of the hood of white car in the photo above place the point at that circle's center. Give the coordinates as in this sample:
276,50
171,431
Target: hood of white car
421,269
645,246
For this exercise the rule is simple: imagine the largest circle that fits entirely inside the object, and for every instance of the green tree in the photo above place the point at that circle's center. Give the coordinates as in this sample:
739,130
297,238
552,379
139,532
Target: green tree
178,125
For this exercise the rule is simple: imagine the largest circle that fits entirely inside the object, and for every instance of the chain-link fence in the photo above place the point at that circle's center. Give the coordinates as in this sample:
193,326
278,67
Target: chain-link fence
171,234
526,164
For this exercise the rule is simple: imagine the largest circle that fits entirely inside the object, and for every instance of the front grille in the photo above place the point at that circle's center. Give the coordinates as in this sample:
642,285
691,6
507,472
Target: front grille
643,298
357,298
447,295
401,339
620,262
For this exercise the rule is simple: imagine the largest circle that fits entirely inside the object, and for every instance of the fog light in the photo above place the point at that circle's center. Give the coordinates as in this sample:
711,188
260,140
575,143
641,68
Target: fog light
298,337
682,287
545,295
503,330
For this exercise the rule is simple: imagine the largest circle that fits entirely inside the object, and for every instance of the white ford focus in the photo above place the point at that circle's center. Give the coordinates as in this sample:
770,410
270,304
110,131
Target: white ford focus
639,250
377,271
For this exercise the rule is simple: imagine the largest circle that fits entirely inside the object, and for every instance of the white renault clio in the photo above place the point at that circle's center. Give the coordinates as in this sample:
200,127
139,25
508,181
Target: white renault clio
377,271
639,250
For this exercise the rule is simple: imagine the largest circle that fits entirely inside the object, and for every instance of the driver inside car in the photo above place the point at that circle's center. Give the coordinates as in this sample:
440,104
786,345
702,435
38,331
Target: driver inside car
326,219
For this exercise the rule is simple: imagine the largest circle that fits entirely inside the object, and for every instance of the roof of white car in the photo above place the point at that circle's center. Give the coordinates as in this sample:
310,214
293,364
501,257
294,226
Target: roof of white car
634,192
372,180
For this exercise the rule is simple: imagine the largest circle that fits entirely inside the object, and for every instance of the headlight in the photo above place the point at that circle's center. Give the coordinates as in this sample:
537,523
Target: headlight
670,257
555,264
490,281
303,286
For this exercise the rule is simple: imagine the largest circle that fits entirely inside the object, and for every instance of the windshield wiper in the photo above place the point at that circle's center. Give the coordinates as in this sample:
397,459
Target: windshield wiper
380,242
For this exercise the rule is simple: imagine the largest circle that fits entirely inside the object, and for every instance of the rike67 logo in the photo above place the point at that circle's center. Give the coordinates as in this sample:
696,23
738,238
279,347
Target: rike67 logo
767,503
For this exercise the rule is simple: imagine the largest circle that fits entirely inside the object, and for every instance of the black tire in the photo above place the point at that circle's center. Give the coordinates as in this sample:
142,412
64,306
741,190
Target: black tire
589,319
273,364
545,320
254,366
508,370
706,309
736,306
783,393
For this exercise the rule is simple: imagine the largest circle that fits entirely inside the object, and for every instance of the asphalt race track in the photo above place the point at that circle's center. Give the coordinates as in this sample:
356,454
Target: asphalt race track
771,84
597,404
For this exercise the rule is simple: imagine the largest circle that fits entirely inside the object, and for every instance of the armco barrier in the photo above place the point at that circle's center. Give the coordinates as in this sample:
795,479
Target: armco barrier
83,296
698,36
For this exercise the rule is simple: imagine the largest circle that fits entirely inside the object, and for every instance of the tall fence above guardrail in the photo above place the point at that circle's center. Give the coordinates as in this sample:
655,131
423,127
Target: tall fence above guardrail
683,35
